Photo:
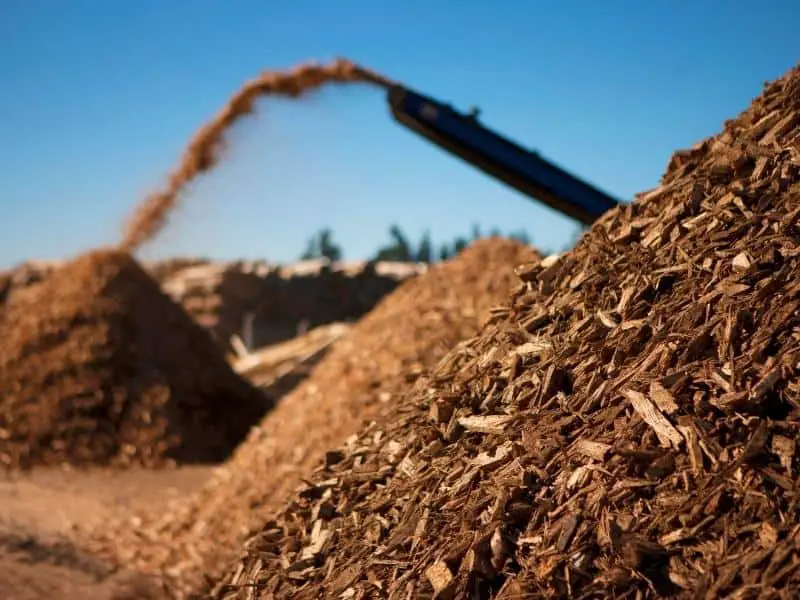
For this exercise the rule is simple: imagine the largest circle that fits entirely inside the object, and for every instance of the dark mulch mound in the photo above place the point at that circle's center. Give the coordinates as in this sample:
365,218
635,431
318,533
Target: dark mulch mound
98,366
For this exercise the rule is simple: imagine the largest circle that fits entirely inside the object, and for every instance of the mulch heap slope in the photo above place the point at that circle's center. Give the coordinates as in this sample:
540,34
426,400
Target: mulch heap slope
99,367
625,429
407,332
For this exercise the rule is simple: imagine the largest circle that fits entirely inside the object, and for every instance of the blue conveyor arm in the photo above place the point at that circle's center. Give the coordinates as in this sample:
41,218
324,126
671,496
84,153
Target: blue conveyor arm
527,172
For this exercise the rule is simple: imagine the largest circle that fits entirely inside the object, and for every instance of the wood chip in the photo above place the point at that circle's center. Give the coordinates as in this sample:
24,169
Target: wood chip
666,432
494,424
784,447
441,578
741,261
662,398
536,348
692,444
595,450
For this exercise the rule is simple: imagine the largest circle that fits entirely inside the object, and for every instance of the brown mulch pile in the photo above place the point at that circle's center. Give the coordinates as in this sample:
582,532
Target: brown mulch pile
98,366
361,376
626,428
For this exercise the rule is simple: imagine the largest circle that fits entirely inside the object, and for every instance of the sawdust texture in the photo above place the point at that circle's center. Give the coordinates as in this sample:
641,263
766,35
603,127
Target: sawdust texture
98,366
204,150
364,374
626,428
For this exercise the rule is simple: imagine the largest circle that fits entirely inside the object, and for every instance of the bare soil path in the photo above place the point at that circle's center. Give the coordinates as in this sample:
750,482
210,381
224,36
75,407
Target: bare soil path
39,512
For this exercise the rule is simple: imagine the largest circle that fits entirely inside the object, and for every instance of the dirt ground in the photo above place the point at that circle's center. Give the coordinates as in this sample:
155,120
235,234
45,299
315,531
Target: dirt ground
39,510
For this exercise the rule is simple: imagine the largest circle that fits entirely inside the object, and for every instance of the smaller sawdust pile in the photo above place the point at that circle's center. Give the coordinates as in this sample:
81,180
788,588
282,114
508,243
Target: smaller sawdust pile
204,150
627,428
99,366
364,374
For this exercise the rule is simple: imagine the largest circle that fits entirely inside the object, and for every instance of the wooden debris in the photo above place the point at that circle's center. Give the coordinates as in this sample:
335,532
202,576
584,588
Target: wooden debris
595,450
485,424
652,448
536,348
665,431
692,445
500,455
441,579
276,358
784,447
662,398
267,303
741,261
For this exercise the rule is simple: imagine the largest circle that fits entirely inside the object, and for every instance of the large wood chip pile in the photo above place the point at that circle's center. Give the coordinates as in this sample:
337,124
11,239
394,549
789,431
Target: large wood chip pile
98,366
626,428
362,376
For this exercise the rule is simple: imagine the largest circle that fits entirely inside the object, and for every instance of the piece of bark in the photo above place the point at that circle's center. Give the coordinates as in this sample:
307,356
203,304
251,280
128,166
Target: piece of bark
441,579
493,424
596,450
663,398
666,432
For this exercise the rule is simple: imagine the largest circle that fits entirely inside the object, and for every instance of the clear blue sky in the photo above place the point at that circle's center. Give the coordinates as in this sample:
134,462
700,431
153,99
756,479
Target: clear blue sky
99,98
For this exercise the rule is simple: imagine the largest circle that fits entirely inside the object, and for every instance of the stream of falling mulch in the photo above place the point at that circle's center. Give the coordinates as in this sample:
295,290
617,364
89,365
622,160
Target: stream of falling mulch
205,148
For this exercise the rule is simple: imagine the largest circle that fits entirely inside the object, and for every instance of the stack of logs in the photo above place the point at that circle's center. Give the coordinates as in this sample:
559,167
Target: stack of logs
264,303
267,304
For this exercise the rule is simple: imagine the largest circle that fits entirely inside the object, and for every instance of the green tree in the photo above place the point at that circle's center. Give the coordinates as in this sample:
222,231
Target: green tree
398,250
321,245
521,236
476,232
459,244
425,249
